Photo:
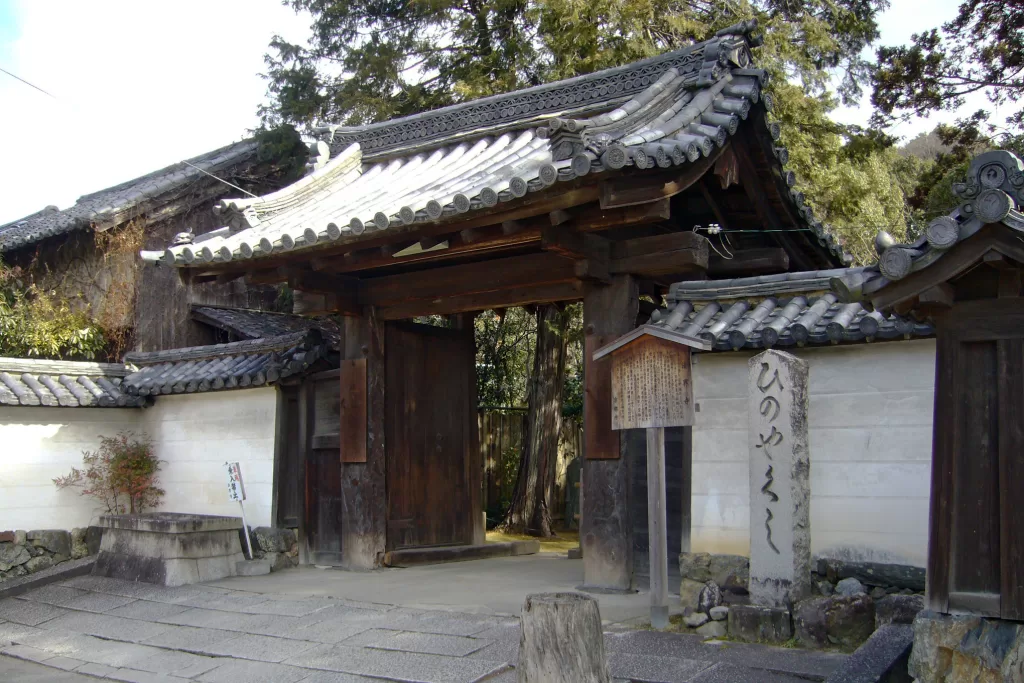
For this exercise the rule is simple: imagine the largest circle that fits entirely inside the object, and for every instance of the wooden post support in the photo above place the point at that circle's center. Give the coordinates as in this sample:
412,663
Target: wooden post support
656,526
561,640
652,390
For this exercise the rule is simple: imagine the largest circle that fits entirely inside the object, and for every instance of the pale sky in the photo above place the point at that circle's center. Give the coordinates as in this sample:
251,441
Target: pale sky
141,85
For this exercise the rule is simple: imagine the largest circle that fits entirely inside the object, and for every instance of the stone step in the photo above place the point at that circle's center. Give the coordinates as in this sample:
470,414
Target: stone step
411,557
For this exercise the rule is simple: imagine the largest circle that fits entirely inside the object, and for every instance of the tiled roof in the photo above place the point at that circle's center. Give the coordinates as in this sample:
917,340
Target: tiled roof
993,193
68,384
249,363
771,311
255,324
112,204
667,111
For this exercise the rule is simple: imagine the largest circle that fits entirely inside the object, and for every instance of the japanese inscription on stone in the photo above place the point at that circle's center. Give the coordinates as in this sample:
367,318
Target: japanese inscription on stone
779,480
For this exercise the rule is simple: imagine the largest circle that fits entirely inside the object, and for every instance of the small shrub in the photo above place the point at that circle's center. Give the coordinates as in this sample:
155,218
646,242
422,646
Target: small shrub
122,474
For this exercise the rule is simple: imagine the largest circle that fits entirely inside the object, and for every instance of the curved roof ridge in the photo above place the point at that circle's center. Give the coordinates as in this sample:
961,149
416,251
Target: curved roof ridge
758,285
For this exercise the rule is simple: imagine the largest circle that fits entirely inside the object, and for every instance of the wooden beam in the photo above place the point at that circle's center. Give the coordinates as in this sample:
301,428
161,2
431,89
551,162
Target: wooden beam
512,227
649,187
712,202
322,283
469,278
269,276
566,242
675,252
518,296
559,216
749,262
941,296
751,184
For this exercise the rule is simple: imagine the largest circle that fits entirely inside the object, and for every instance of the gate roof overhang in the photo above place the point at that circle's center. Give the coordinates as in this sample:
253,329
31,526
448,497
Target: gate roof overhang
521,198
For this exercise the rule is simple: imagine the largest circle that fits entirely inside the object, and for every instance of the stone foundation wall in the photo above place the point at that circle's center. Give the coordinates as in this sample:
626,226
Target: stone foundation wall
27,552
950,648
851,601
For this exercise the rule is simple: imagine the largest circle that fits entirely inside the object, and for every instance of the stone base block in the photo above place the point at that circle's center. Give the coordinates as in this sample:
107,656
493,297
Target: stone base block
252,567
169,549
575,553
756,624
966,648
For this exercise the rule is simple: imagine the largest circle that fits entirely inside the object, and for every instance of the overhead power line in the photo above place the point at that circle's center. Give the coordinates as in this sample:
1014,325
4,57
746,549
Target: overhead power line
31,85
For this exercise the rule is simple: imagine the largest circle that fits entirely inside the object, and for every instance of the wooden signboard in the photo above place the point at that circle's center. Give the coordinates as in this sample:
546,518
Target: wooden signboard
651,385
352,432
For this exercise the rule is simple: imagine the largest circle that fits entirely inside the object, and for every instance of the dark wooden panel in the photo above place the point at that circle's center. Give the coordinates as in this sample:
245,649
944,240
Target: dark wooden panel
676,498
940,523
352,410
975,531
606,526
600,441
326,398
363,485
323,510
428,415
289,453
1011,476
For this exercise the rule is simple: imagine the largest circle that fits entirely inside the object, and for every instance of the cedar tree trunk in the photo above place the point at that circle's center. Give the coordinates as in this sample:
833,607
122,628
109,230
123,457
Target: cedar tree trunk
530,511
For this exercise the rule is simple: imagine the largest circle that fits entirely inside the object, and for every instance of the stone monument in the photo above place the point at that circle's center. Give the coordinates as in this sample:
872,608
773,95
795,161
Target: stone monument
780,496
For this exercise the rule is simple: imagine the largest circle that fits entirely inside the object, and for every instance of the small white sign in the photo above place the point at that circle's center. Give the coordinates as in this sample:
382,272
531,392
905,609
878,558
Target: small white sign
236,490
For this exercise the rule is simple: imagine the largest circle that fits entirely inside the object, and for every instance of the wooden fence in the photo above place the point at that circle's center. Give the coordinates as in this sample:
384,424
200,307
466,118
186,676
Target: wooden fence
502,434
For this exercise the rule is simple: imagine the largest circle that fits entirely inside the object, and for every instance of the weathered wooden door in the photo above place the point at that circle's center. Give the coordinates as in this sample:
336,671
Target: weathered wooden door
430,426
976,560
290,454
319,427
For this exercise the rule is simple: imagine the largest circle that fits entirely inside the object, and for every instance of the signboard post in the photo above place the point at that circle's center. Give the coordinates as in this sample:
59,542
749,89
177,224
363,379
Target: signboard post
236,491
652,390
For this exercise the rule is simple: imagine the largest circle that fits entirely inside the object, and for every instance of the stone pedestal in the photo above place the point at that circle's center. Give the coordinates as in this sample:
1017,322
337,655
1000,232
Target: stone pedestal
169,548
780,497
966,648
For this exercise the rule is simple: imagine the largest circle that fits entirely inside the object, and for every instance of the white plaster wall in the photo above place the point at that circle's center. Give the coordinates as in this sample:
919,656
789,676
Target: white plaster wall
195,434
870,448
39,443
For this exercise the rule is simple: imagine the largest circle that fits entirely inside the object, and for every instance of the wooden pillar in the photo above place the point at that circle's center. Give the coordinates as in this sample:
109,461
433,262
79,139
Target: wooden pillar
474,458
363,491
606,523
656,519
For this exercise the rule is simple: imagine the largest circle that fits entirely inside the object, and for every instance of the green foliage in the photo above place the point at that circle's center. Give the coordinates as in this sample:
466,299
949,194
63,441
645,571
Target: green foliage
282,149
122,474
504,353
980,50
36,323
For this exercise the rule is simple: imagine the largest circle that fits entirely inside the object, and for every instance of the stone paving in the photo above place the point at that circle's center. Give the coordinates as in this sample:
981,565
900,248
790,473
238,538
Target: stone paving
140,633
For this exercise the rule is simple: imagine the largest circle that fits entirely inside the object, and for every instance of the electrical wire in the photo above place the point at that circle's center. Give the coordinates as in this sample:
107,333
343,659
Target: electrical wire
31,85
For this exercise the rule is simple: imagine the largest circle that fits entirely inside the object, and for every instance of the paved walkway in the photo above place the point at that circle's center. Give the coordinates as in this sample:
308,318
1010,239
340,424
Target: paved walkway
140,633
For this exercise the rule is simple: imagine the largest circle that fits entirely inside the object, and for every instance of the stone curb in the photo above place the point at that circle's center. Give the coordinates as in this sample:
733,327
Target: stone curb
60,572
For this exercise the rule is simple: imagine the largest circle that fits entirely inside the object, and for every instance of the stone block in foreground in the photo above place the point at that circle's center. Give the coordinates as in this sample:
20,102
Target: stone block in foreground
756,624
169,548
966,648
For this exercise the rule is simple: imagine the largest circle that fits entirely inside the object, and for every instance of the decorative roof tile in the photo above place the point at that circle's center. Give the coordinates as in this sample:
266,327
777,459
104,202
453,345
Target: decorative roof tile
993,193
249,363
110,204
66,384
663,112
792,309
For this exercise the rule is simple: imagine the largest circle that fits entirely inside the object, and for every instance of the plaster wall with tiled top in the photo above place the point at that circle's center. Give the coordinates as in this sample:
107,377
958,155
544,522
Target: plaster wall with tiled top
38,443
194,434
870,451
